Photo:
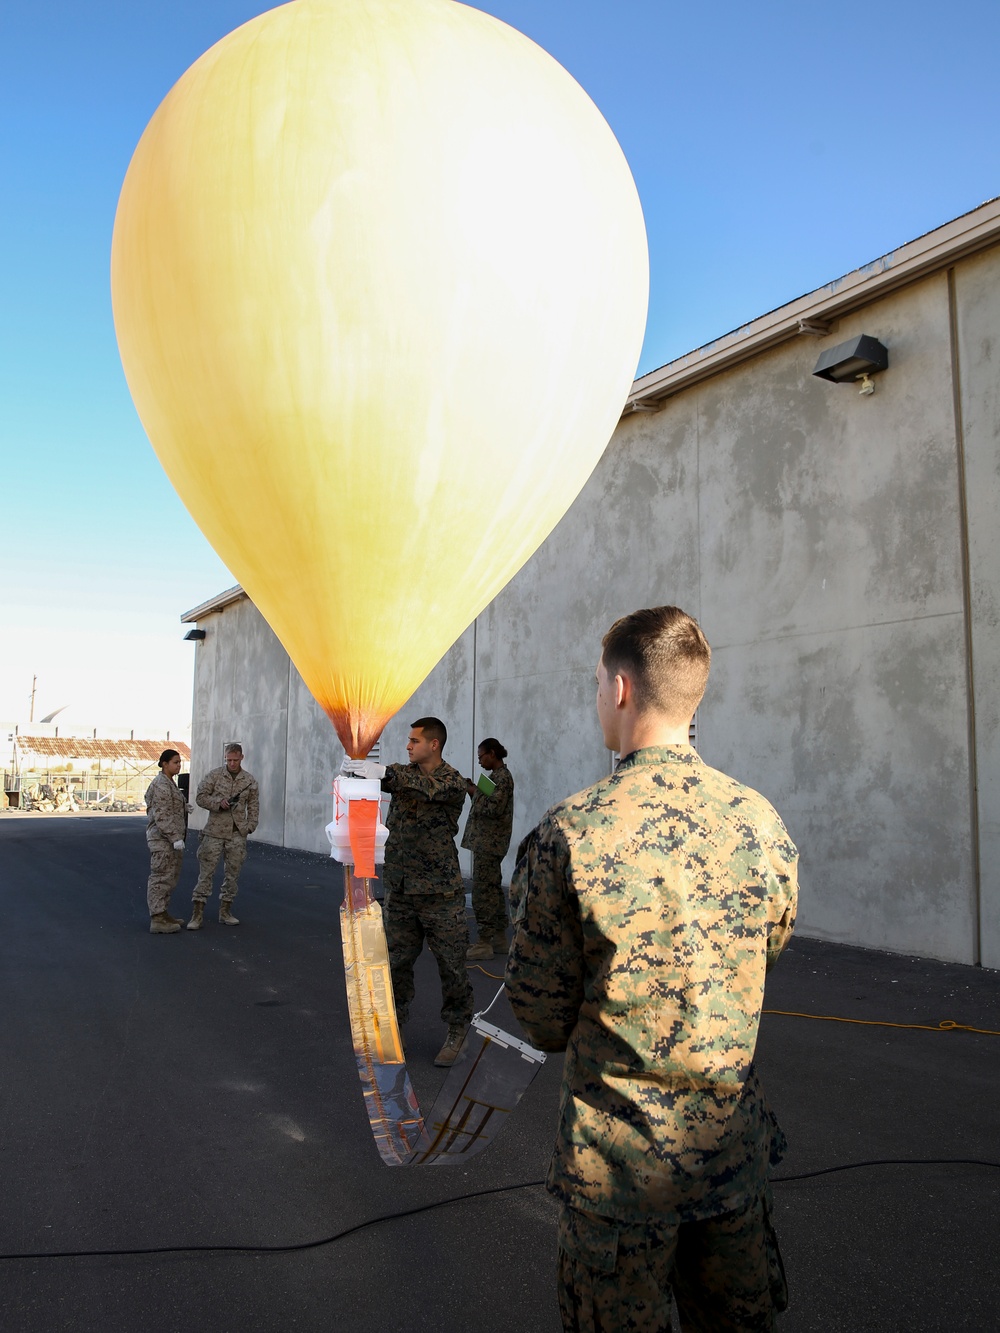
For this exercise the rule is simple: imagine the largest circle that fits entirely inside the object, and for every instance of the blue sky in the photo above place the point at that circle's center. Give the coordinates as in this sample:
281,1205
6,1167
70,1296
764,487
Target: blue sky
774,146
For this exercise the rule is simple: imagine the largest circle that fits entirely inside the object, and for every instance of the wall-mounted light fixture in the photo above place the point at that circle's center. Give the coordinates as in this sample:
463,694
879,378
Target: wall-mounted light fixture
194,634
856,360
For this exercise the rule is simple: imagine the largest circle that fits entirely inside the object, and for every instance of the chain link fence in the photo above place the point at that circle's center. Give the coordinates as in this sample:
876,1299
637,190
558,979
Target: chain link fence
112,787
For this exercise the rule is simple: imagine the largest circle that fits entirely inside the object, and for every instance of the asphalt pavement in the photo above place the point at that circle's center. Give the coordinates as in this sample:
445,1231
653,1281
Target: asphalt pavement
197,1093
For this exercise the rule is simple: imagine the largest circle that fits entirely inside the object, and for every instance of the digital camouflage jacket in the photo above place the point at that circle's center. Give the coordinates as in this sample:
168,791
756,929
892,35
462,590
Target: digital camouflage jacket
165,810
491,819
646,911
243,795
421,856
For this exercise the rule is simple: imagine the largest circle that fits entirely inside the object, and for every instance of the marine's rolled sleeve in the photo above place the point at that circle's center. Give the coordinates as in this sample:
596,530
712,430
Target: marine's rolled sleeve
207,797
545,966
497,803
444,784
421,856
165,810
491,819
242,796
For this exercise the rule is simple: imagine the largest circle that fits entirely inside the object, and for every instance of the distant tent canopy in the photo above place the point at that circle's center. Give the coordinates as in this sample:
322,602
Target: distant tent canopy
62,749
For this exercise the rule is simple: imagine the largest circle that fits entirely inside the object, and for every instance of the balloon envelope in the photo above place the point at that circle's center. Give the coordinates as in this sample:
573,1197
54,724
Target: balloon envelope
379,280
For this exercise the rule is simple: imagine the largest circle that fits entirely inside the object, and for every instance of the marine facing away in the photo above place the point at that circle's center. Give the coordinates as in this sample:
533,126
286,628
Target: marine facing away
647,909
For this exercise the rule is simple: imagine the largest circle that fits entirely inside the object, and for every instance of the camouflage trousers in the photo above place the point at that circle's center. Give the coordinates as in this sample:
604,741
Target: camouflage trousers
234,850
409,919
164,872
487,895
725,1272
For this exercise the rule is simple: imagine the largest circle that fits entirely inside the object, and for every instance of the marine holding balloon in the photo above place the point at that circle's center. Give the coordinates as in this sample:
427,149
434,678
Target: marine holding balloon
424,893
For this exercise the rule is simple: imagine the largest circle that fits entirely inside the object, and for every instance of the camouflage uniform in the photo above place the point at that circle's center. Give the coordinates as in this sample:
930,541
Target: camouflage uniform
726,1272
646,911
487,837
425,896
166,823
225,834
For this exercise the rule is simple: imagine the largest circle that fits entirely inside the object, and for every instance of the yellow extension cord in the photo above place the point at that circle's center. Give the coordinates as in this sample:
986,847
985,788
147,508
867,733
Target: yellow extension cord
946,1024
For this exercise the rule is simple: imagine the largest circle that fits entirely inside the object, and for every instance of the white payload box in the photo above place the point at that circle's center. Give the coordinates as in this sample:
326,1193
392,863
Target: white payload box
345,790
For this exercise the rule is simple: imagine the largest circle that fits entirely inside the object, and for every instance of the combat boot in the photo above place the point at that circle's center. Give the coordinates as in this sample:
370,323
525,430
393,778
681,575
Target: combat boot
500,944
226,917
197,916
161,924
481,950
179,920
448,1053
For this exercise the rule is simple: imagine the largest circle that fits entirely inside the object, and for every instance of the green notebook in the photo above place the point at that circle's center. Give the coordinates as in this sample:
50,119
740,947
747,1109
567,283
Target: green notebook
486,785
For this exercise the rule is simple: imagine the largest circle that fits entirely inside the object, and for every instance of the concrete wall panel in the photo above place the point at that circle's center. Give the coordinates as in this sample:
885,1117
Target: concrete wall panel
821,508
977,287
858,739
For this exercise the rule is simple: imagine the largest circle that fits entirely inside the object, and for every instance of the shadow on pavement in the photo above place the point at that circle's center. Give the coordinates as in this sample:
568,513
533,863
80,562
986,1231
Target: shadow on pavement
200,1089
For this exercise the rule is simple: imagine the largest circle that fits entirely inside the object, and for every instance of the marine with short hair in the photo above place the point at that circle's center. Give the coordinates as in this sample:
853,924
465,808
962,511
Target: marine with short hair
647,910
232,797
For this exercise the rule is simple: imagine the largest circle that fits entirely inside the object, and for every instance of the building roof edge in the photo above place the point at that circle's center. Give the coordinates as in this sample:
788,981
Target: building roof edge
963,236
216,603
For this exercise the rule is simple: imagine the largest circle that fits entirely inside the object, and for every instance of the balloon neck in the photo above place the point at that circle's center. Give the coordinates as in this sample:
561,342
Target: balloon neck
357,728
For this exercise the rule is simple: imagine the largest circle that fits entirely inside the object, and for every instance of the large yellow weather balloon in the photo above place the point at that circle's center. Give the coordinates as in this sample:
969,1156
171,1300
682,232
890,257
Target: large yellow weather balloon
379,278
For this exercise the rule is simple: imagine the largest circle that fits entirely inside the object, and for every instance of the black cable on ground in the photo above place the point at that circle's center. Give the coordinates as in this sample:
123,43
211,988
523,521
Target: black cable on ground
886,1161
442,1203
273,1249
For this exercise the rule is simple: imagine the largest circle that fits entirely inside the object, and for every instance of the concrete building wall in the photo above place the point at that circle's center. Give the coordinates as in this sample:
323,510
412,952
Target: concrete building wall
817,536
976,299
241,694
841,553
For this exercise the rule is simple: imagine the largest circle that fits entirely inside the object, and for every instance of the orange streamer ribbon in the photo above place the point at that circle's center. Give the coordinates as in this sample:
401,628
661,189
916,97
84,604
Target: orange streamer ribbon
362,820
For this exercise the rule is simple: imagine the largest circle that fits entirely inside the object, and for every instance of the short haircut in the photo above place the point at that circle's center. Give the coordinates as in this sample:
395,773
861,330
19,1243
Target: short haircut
433,728
666,657
492,746
234,747
166,757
